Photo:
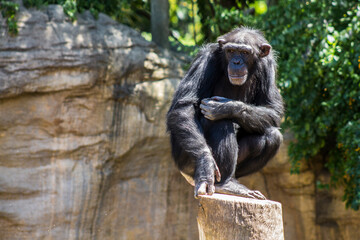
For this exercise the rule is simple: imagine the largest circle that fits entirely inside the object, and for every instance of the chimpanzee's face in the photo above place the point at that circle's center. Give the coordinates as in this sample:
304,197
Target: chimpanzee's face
240,58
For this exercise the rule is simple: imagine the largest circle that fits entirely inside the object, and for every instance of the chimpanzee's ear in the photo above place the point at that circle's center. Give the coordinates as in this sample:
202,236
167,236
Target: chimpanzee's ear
221,41
264,49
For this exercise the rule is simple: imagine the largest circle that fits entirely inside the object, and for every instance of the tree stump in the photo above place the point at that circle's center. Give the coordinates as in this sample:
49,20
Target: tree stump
236,218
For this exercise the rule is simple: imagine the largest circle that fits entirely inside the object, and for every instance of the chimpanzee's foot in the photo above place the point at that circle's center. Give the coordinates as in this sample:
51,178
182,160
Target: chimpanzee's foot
232,187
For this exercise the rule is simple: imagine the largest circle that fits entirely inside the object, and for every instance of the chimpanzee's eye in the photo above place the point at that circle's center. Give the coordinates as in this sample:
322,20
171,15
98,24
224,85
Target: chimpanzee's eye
245,52
229,50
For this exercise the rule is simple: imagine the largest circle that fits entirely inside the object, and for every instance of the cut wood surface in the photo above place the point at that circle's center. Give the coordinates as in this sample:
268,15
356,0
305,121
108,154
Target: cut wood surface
230,217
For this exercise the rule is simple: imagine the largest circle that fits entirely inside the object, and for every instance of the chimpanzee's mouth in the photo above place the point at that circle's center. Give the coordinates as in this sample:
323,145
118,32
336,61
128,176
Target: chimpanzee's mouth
237,79
237,76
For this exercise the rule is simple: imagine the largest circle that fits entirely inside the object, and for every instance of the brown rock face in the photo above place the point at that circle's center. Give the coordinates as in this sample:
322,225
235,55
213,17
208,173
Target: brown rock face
84,152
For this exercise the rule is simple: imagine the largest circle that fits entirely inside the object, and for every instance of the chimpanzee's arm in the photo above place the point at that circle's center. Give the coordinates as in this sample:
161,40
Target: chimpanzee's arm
187,131
255,118
250,117
185,128
182,121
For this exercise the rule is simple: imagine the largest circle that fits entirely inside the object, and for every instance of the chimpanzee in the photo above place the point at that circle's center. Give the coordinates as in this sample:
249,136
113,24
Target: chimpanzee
225,116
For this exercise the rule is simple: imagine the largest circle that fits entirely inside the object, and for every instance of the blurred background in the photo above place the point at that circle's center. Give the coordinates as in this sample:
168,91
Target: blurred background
58,54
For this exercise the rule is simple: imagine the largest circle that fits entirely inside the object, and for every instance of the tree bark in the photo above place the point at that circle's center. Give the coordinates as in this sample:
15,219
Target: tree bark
160,22
223,217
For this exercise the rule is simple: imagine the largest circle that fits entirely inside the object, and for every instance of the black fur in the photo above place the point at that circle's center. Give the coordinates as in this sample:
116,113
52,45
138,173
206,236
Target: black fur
215,139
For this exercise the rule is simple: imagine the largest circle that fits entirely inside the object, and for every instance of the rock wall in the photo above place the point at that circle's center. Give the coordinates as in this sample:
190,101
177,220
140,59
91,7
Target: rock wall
83,149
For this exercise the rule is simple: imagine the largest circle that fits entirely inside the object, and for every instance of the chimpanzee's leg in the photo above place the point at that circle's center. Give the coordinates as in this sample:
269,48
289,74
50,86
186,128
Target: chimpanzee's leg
256,150
221,138
252,152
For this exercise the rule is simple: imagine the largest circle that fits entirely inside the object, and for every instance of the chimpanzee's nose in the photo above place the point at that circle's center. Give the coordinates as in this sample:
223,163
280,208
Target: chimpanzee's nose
236,61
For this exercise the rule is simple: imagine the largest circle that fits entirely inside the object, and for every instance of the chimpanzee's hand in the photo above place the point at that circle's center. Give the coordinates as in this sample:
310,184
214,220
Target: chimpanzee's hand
205,173
216,108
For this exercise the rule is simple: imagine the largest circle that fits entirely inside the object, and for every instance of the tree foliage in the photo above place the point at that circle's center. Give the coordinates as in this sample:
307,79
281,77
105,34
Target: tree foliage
135,13
8,10
319,72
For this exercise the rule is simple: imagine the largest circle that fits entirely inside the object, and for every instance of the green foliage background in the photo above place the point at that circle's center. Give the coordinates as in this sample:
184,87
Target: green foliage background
318,45
319,75
8,10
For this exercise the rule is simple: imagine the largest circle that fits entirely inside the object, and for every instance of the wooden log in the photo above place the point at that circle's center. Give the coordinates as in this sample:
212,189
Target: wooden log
226,217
